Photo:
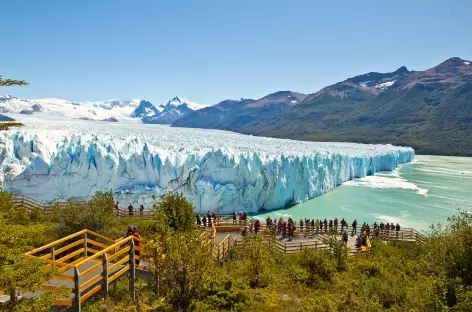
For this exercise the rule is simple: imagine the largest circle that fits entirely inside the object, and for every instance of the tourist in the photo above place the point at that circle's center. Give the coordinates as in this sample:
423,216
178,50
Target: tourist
291,231
234,216
141,210
382,226
117,209
317,225
130,210
358,242
354,227
137,243
312,224
257,226
343,224
375,225
325,224
199,221
268,221
363,228
345,237
301,223
129,232
220,220
392,227
367,230
244,232
251,226
284,230
387,228
204,221
330,225
397,228
335,224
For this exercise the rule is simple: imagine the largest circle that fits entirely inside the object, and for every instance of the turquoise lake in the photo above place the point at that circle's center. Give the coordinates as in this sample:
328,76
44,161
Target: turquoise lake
418,194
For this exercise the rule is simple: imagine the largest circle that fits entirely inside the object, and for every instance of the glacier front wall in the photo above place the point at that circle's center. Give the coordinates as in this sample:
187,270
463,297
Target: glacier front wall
215,180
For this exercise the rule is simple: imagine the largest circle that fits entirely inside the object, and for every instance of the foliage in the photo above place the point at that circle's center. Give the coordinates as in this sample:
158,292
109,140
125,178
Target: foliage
174,212
9,124
181,263
94,215
19,233
11,82
395,276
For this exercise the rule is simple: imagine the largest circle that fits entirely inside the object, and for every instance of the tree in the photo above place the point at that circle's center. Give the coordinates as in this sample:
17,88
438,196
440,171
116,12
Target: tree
175,212
20,233
93,215
11,82
182,265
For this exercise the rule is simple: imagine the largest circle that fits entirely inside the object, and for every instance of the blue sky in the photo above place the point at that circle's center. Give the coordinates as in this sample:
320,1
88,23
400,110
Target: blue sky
208,50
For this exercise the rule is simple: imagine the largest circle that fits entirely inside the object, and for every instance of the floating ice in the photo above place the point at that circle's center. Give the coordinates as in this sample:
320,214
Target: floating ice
214,169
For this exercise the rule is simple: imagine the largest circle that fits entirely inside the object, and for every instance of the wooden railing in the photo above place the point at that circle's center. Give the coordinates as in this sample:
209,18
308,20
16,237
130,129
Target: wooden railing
87,263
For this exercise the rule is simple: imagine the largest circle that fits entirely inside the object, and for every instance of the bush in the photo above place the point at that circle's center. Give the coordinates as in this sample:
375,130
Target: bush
94,215
174,212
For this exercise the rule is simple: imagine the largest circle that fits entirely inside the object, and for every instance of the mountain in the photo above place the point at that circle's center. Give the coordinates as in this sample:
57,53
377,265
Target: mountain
173,110
430,110
242,115
62,109
145,108
6,118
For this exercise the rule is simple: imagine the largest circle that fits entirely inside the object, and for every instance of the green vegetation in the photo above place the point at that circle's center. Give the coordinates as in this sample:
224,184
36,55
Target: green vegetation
397,276
433,119
8,125
11,82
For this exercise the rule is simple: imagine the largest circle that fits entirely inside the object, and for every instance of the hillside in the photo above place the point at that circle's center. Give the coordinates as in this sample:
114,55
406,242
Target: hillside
429,110
242,115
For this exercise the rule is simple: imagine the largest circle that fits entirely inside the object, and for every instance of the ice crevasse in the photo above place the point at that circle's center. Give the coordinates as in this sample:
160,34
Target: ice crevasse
222,171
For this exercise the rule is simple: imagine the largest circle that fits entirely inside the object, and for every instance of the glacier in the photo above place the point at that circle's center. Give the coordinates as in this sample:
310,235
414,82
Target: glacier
215,170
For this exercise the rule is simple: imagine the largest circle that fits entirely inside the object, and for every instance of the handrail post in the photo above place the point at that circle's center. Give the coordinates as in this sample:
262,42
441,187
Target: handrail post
132,275
53,255
105,275
85,244
218,259
77,294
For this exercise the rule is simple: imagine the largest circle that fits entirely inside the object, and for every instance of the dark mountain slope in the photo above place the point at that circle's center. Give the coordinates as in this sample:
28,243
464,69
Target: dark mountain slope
243,115
429,110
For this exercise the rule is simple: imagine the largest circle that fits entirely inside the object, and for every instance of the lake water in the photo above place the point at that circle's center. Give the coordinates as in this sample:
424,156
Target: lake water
416,195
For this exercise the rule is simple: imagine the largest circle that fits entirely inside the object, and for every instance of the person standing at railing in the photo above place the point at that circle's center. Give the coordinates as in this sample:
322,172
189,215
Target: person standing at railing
330,225
130,210
343,224
204,220
234,216
117,209
325,224
141,210
354,227
336,224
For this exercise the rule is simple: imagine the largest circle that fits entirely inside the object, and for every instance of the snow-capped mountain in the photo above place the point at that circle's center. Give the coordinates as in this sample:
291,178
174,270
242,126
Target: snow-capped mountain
108,110
145,108
62,109
173,110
